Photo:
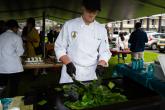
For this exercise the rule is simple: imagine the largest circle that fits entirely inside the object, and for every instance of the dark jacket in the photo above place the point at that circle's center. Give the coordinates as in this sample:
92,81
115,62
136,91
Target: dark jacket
137,40
52,36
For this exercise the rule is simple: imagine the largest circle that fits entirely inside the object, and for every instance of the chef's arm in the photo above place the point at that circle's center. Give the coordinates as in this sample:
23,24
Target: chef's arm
104,51
60,48
19,47
70,68
65,59
61,44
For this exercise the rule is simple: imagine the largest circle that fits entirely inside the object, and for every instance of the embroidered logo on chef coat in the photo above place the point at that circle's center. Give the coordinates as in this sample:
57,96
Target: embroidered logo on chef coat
74,34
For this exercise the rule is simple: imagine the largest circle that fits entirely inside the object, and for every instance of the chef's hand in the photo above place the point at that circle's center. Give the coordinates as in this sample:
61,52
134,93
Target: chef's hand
99,70
71,69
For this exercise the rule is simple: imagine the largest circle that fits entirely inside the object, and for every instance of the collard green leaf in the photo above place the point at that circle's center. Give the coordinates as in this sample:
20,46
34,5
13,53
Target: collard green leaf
111,85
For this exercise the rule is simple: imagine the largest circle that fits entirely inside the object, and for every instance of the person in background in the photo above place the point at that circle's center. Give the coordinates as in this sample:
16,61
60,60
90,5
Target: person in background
82,45
108,34
137,41
53,34
31,37
57,31
11,48
120,41
121,44
24,33
2,26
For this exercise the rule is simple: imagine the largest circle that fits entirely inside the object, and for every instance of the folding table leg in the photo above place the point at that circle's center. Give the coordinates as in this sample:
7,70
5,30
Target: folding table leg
118,57
123,58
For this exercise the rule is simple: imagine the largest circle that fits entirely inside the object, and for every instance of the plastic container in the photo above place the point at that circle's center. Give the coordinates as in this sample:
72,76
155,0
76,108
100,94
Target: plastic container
141,63
137,64
134,64
6,103
150,71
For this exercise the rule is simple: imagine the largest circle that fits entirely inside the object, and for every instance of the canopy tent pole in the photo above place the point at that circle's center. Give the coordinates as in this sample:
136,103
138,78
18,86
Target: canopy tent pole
43,33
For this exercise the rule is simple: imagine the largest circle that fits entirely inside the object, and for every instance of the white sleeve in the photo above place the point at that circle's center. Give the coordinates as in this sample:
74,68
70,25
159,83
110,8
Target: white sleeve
19,46
104,50
61,43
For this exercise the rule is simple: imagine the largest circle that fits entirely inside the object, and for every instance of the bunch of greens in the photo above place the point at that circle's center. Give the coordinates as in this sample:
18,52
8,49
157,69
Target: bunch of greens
92,96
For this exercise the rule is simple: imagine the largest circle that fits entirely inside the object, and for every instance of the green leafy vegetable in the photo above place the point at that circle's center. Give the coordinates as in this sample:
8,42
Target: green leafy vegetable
111,85
94,95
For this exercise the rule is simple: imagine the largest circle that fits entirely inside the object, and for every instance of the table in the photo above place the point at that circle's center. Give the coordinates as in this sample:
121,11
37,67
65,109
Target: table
42,65
118,52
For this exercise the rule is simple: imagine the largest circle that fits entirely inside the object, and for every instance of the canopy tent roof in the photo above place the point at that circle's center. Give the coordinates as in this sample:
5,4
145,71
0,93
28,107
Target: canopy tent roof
62,10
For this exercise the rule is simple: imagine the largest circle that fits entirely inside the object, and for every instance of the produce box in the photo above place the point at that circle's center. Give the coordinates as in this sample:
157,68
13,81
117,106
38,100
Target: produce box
152,78
137,97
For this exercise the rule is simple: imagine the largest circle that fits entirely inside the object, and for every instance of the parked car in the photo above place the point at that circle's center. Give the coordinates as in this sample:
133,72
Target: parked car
150,32
161,43
152,40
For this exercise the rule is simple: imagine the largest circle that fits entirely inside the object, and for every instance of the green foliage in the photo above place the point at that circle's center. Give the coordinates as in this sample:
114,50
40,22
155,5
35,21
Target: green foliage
94,95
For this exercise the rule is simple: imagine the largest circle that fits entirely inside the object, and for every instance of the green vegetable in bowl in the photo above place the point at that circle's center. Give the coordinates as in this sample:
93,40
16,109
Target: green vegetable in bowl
111,85
94,95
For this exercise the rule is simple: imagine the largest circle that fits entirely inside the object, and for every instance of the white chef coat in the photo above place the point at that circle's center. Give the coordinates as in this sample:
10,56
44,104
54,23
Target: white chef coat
11,48
120,44
85,45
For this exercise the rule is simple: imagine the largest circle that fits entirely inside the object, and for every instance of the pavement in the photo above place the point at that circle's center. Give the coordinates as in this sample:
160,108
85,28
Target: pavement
156,51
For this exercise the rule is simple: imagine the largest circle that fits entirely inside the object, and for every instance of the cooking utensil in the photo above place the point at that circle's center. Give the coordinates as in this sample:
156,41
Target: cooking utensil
99,80
78,83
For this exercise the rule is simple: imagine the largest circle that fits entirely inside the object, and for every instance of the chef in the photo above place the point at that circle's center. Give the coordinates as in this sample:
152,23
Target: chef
11,48
82,45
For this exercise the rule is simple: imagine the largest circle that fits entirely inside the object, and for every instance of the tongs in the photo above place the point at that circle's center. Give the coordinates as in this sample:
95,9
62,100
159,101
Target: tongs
99,80
76,82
